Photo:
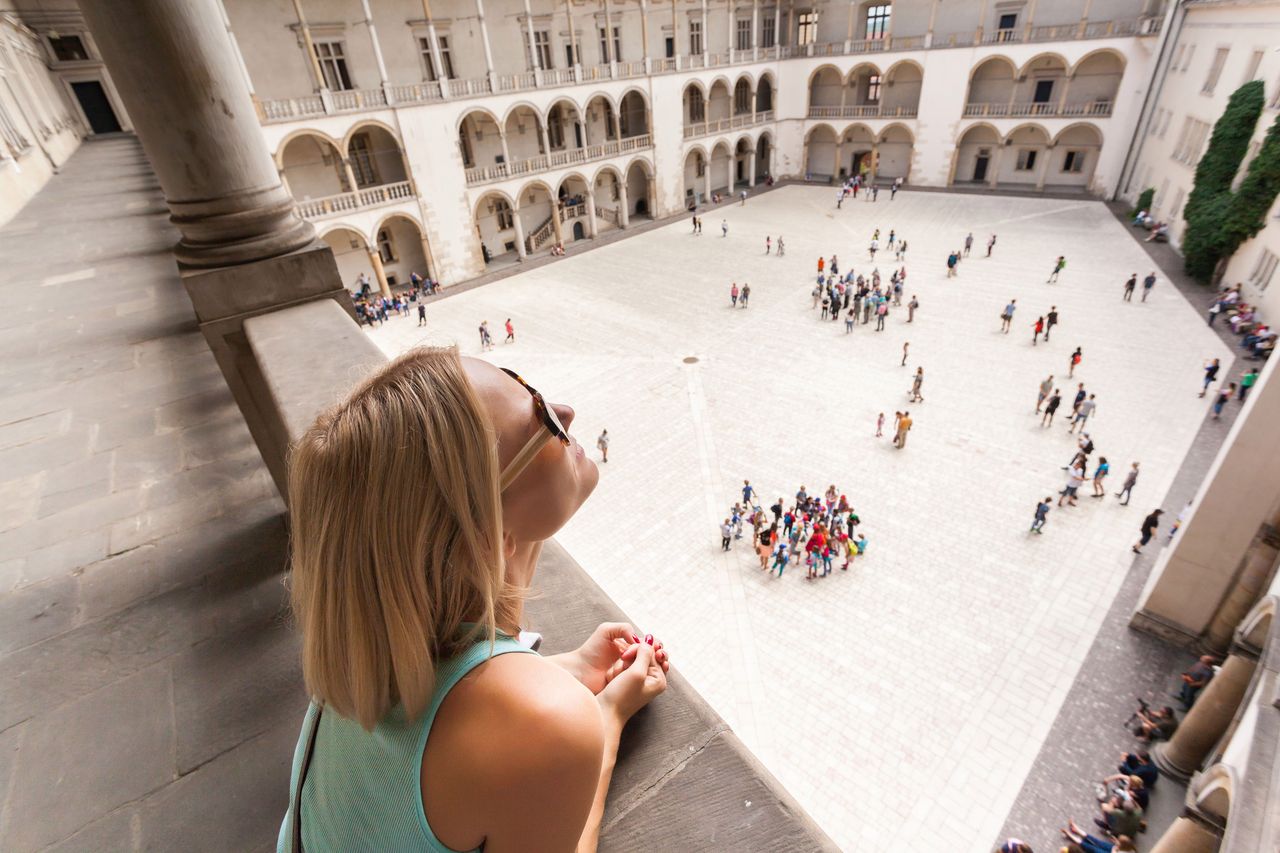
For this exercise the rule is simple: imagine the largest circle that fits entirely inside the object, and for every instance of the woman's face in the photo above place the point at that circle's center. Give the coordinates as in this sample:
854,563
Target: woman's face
549,491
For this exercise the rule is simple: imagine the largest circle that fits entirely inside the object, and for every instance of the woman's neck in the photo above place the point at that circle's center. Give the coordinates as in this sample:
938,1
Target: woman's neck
520,568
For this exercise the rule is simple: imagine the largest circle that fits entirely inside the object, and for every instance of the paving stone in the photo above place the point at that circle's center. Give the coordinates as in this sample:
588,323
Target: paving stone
10,744
35,428
63,557
117,831
37,612
68,771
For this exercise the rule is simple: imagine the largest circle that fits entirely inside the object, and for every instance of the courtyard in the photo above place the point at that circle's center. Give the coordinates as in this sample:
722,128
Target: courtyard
903,701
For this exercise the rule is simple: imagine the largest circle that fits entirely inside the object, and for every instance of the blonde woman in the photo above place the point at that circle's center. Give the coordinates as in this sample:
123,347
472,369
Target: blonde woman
418,510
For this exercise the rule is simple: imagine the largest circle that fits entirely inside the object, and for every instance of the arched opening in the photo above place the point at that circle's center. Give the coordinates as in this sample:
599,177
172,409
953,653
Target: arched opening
403,249
819,153
976,156
864,90
695,105
564,126
573,206
991,88
1094,84
608,194
901,93
479,139
824,91
893,153
764,94
313,168
857,152
350,250
764,156
721,169
1025,161
742,162
524,134
633,114
638,189
742,97
1075,156
718,103
1040,86
601,120
375,157
695,178
495,228
535,212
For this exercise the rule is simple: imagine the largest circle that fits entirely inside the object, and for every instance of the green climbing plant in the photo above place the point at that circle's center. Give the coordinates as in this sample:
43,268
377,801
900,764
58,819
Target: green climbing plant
1219,220
1144,201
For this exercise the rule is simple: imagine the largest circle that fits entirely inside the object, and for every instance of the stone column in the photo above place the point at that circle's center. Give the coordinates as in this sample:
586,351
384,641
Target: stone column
875,160
542,135
519,229
375,260
533,50
556,221
313,61
624,205
243,250
706,181
933,16
1042,168
732,36
1084,18
755,32
377,48
506,153
1259,568
777,25
706,32
488,51
644,33
994,178
427,258
751,168
1031,13
350,174
1062,99
651,193
616,122
848,38
1207,721
1239,495
573,39
1187,835
442,76
609,58
835,165
591,212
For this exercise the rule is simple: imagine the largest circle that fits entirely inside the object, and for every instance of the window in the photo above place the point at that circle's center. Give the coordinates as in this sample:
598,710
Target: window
385,249
1026,159
1186,60
333,65
362,162
873,89
68,48
1177,203
877,21
744,34
697,106
1215,70
1164,128
605,56
1191,141
695,37
1006,26
10,135
429,62
1073,162
807,28
1263,270
1177,57
768,35
1251,71
540,56
502,211
1153,129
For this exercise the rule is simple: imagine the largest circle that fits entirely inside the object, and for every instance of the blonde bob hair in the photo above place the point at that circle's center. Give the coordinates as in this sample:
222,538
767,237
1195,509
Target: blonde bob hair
396,525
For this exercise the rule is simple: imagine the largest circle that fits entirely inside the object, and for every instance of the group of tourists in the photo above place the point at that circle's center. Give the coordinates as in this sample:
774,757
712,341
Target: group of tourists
818,529
1256,337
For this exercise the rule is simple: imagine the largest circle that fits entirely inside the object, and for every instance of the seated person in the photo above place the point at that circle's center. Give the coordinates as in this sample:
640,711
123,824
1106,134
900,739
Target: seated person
1120,816
1142,218
1157,725
1139,764
1014,845
1092,844
1262,349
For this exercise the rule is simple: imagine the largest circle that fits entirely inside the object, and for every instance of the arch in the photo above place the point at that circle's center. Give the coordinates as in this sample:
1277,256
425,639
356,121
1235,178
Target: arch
765,88
638,187
1215,790
1099,52
617,175
694,84
508,199
1095,79
896,126
748,138
402,244
767,76
858,129
336,227
644,164
495,224
860,67
813,132
564,99
694,175
748,76
473,113
570,176
720,80
401,215
997,136
993,60
313,167
536,183
1256,626
633,116
826,87
814,74
278,156
600,127
637,90
350,249
379,158
978,155
599,93
365,124
893,69
1085,126
721,143
743,96
511,110
1058,58
764,154
1031,127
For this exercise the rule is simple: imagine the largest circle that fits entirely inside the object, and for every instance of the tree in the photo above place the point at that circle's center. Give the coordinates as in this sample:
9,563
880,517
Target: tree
1219,220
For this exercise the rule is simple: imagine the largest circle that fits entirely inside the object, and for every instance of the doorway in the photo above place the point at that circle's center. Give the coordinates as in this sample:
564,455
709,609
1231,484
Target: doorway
96,106
1044,91
578,231
980,164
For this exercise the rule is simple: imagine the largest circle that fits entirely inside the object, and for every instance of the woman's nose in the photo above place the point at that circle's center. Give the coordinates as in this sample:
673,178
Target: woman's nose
566,414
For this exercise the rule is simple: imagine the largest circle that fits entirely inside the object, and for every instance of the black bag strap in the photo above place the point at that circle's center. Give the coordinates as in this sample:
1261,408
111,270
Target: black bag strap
302,778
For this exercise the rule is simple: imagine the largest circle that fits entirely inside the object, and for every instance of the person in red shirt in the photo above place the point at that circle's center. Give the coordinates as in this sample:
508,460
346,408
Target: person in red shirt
1039,330
511,332
813,549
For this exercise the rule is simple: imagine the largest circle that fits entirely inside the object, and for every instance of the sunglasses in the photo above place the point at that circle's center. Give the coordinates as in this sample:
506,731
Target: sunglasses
552,429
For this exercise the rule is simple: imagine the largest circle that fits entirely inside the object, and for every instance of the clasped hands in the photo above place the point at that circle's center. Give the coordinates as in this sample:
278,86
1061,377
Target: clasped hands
611,651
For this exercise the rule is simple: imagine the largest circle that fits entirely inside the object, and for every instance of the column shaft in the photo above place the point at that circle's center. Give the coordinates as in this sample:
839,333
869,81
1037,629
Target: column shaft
706,32
373,41
751,168
994,178
375,258
591,212
519,229
1208,719
1259,568
624,206
313,61
484,37
433,41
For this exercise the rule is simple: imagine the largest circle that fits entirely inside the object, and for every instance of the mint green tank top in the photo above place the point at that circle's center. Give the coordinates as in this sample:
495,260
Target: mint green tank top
364,789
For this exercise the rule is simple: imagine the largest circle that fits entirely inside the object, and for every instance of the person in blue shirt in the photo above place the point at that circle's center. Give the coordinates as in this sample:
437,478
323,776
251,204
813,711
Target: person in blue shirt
1042,515
747,491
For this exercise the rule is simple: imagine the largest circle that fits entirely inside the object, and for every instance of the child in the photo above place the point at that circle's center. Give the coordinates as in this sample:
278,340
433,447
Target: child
880,426
862,544
780,558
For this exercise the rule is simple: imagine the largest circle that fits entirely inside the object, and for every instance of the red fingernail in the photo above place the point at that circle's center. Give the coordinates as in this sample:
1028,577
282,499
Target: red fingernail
648,638
635,638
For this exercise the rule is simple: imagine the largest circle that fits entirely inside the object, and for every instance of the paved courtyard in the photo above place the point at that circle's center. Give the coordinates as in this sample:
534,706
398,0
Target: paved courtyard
904,701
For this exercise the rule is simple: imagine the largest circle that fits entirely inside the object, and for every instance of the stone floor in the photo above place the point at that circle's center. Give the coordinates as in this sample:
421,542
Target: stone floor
150,694
905,701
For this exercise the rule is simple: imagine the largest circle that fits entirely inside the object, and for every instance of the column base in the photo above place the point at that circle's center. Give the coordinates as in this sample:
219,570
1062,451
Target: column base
1176,635
1160,757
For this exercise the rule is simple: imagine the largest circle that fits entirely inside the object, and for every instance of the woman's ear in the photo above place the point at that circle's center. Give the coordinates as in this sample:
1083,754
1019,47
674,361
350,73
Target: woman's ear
508,545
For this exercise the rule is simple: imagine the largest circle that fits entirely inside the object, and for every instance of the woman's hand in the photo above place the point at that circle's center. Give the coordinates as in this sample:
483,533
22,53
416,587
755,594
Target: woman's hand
601,658
635,686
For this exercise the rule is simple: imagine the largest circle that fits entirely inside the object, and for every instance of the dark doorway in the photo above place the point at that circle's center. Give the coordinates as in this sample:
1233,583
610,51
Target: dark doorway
671,47
578,231
859,160
742,171
1044,91
97,108
980,165
642,207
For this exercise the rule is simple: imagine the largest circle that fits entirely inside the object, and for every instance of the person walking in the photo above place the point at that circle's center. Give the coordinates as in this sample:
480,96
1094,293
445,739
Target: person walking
744,295
904,426
881,313
1210,375
744,199
511,333
1099,474
1126,488
911,308
991,244
1075,478
916,397
1130,283
822,264
849,320
1050,408
880,426
1149,525
602,444
1006,319
781,247
1050,321
1058,267
1076,358
1247,382
422,314
968,243
1148,283
1224,394
1042,515
1036,329
724,228
874,247
952,260
726,535
733,295
1045,387
768,244
1083,411
906,345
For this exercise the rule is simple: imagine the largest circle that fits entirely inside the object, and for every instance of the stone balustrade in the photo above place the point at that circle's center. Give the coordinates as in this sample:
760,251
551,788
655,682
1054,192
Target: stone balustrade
376,196
863,111
706,128
477,175
1094,109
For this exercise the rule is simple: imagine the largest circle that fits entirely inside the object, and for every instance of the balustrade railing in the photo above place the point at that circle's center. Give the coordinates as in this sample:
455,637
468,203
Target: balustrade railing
558,77
540,235
608,214
346,202
863,111
469,87
556,159
1100,109
416,93
731,123
358,99
573,211
631,69
591,73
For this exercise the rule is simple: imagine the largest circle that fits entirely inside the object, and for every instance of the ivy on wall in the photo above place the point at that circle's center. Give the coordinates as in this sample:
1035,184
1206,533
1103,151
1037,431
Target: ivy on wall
1219,220
1144,201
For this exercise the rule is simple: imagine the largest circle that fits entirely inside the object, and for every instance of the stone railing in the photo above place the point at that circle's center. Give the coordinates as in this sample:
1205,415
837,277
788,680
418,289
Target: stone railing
358,200
556,159
608,214
721,125
1096,109
540,236
573,211
307,106
863,111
